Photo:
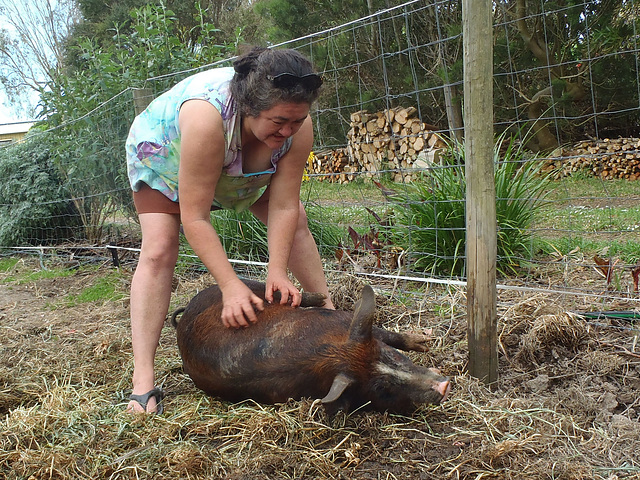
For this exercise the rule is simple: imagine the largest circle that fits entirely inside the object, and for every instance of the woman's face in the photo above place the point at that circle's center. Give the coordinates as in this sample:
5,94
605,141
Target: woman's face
272,127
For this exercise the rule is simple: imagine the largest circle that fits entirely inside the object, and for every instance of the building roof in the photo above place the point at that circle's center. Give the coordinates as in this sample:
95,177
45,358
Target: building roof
15,127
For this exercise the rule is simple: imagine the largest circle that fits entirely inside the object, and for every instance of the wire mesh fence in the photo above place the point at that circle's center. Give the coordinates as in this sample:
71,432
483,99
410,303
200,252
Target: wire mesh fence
385,187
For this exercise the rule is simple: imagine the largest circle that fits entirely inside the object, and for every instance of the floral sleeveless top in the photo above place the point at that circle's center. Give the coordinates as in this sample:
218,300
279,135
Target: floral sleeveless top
153,144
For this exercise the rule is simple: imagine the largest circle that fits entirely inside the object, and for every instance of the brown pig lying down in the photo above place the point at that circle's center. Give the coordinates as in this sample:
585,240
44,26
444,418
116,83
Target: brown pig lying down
313,352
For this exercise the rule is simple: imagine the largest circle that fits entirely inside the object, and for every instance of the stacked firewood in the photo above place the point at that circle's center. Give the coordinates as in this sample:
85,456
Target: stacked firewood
394,136
607,158
392,139
333,166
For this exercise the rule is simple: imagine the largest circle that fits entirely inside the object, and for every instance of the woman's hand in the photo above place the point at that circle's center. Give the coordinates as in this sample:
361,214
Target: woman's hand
239,305
288,292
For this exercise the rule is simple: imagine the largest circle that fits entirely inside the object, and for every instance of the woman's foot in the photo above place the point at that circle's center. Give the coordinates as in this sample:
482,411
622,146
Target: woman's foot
150,402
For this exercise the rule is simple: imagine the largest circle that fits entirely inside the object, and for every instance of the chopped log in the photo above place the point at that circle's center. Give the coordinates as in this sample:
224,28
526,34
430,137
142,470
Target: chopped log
606,158
403,114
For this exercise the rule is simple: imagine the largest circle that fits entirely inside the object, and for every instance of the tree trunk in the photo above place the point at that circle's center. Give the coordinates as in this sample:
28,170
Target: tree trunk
543,139
454,112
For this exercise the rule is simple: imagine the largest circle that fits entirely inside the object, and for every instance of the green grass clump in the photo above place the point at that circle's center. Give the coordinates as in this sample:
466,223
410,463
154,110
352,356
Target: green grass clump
106,288
7,264
430,216
44,274
327,233
243,235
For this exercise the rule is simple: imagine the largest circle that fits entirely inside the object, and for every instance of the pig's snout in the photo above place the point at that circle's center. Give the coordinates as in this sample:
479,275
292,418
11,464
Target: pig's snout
443,387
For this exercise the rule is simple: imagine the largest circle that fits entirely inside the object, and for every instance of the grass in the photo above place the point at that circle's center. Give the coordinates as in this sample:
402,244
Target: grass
581,212
32,276
243,235
587,187
104,288
65,376
357,192
592,215
7,264
107,288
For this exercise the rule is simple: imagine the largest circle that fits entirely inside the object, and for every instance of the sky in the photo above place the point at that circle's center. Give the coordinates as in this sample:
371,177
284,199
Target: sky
7,115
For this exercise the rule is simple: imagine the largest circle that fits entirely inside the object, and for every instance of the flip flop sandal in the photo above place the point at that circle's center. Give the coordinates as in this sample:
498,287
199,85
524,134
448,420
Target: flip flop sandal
143,399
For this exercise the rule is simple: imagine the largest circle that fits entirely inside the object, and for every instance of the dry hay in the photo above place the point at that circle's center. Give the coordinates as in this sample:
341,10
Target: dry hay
566,405
548,333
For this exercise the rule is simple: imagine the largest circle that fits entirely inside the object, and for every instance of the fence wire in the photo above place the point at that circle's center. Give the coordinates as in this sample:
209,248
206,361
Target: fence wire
383,197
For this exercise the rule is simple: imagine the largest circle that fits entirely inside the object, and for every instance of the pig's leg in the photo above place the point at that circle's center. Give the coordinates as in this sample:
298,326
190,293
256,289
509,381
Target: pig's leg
403,341
309,299
305,263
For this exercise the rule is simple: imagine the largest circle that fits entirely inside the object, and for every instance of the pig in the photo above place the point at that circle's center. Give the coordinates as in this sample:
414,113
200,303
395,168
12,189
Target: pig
305,352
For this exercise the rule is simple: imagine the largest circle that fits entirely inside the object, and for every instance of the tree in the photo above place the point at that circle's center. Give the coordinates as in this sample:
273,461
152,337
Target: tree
32,45
411,56
553,62
567,52
233,18
89,152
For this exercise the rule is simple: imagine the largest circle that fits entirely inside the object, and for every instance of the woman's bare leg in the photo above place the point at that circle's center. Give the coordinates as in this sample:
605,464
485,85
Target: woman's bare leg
150,297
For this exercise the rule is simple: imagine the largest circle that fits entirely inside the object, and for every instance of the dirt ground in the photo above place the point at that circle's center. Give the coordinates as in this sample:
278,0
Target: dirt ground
566,405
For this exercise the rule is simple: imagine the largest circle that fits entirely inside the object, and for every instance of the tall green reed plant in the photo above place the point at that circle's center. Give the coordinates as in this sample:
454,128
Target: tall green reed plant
430,216
242,233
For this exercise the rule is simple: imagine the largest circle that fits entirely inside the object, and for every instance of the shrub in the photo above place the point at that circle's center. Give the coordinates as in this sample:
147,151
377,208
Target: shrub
35,207
430,218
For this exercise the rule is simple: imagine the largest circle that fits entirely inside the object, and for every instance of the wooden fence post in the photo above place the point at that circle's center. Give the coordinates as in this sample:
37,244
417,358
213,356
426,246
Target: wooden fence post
141,99
481,197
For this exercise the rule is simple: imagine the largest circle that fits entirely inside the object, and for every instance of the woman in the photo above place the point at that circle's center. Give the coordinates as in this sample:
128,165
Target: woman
232,138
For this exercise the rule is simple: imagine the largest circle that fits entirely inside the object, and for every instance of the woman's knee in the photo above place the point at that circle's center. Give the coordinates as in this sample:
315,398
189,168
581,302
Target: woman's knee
159,253
160,240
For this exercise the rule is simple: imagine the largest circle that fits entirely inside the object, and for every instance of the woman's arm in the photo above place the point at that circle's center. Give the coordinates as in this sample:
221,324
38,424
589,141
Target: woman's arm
202,153
283,210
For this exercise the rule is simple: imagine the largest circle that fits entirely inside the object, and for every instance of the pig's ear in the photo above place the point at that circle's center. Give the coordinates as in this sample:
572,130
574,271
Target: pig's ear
363,316
340,384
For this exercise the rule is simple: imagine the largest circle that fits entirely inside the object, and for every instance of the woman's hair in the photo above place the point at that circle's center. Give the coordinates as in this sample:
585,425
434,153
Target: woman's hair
255,85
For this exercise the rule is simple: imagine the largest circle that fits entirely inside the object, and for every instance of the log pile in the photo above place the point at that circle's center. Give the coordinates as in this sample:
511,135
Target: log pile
394,136
333,166
607,158
392,139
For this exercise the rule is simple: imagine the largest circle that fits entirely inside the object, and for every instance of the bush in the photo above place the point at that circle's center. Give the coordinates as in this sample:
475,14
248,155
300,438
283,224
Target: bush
430,218
35,206
88,102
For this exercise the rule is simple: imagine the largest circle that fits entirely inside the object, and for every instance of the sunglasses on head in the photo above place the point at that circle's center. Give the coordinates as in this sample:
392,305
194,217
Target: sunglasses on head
311,81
